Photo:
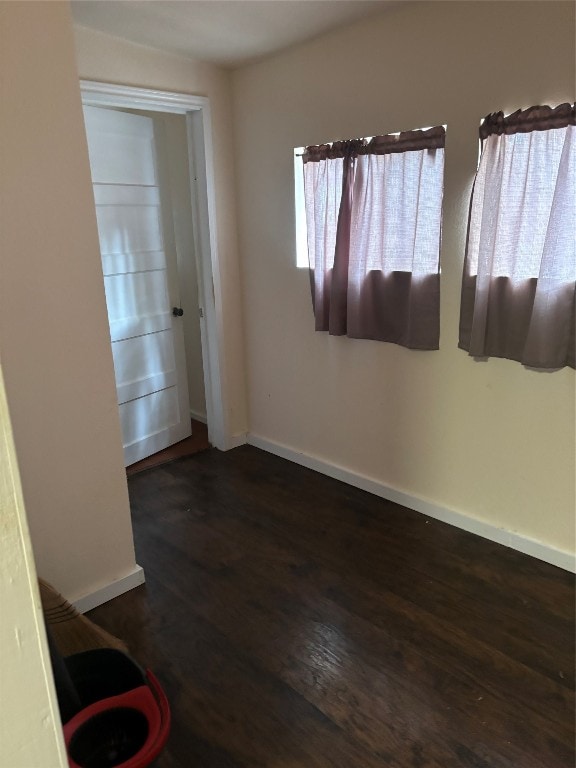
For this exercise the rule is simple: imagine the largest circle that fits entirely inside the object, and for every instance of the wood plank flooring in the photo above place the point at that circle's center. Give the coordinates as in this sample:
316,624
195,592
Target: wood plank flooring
296,622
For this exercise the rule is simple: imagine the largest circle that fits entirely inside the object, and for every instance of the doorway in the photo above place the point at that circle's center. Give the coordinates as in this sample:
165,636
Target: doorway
201,210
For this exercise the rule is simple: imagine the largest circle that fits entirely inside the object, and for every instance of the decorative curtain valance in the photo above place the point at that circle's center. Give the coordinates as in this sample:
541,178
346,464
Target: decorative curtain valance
519,280
373,212
526,120
408,141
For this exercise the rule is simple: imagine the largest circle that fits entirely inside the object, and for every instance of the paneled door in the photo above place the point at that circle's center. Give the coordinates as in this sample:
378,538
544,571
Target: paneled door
140,280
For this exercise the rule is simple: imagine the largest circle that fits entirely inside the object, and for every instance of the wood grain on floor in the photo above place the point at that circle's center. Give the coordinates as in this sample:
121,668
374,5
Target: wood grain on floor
297,622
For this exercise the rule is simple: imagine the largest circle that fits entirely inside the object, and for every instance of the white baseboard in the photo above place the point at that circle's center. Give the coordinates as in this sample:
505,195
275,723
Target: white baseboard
545,552
197,416
110,591
235,441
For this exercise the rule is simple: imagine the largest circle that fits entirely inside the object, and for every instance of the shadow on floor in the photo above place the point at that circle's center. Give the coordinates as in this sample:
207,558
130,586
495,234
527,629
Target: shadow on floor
198,441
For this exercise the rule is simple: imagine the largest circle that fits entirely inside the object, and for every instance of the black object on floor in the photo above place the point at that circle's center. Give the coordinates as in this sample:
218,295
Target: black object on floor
115,714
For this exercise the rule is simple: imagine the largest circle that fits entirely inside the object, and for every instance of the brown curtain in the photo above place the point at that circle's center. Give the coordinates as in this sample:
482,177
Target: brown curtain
373,213
518,287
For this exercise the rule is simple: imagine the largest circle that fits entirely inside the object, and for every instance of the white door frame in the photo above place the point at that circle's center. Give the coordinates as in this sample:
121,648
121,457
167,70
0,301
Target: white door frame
200,153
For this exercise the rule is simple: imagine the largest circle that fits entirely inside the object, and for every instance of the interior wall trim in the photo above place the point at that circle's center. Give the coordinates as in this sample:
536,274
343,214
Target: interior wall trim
560,558
109,591
241,438
203,212
198,416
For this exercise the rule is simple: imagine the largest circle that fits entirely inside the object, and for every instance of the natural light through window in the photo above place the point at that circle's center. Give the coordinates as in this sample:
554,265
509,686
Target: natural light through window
300,210
519,278
368,224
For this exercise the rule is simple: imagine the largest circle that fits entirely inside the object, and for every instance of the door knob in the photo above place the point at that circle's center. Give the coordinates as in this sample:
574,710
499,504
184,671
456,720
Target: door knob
177,311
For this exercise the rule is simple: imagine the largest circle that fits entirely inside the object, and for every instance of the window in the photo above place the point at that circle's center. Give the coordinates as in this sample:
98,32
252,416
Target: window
518,286
373,219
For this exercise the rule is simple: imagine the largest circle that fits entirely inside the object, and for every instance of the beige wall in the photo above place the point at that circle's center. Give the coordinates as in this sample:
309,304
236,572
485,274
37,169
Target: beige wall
108,59
491,440
30,728
54,336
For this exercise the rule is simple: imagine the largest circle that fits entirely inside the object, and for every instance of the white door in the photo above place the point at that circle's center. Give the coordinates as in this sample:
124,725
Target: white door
141,283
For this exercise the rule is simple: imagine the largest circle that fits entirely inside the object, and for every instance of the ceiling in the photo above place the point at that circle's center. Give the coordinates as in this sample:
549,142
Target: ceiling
225,32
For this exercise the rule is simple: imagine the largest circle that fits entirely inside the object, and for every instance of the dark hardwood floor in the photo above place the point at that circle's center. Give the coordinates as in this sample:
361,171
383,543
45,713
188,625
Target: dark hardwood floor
296,622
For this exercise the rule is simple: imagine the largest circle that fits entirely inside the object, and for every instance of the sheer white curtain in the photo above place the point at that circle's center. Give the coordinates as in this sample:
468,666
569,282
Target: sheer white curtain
374,223
519,278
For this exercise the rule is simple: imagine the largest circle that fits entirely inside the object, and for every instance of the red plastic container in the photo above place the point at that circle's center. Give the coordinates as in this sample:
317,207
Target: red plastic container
125,718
